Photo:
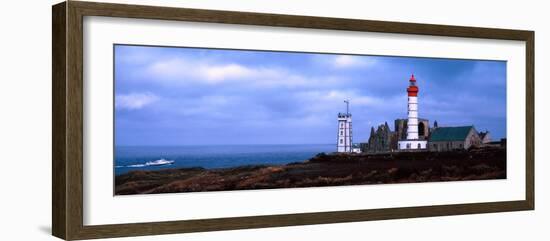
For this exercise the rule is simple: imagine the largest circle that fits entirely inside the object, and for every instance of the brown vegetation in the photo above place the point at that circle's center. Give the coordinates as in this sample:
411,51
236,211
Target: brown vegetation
324,170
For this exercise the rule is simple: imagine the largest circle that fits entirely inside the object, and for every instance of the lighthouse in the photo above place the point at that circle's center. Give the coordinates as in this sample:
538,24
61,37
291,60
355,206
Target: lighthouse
344,137
412,110
412,142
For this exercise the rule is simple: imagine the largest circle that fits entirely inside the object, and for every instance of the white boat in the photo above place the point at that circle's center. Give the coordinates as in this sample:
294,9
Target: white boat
159,162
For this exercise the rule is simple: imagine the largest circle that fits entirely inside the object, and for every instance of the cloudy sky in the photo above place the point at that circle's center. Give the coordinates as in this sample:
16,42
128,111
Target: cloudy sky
193,96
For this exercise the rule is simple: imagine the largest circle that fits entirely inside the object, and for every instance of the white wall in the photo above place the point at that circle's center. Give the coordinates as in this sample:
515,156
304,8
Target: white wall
25,123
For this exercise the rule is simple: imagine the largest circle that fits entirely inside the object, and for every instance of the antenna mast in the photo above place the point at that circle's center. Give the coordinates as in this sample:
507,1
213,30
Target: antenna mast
347,106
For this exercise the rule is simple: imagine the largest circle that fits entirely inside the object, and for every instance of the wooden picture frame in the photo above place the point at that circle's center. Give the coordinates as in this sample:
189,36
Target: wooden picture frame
67,150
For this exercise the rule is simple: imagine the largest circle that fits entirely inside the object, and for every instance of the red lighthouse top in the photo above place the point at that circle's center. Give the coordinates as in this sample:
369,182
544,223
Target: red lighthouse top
412,90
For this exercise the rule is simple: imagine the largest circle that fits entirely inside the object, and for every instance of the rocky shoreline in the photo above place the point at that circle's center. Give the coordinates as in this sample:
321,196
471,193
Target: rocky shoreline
324,170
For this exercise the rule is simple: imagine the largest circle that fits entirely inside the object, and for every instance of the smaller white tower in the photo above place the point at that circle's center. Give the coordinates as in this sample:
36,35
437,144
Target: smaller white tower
344,141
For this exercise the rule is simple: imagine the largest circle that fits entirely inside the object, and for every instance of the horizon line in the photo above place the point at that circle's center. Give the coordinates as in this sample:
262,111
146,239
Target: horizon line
255,144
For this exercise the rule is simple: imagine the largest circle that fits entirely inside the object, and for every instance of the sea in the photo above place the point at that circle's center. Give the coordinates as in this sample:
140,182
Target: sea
130,158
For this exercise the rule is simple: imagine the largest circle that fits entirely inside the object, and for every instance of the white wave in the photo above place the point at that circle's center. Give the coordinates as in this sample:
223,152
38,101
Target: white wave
136,165
159,162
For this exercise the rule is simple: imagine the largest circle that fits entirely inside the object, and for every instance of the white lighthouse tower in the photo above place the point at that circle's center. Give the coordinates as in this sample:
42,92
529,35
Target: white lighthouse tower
412,142
344,141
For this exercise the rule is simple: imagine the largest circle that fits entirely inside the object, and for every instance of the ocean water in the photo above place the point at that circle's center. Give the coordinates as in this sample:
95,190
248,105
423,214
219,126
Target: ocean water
129,158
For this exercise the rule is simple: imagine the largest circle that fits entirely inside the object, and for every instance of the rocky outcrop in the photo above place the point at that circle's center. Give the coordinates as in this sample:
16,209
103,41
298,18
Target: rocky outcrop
381,140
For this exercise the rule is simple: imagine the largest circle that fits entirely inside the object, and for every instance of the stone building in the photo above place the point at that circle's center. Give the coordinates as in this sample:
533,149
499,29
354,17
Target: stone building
453,138
423,128
383,139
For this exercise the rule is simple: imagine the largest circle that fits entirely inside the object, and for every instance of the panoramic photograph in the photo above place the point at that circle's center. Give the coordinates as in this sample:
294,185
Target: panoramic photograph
203,119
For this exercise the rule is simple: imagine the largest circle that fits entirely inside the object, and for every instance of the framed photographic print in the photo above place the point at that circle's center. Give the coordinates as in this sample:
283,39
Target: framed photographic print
171,120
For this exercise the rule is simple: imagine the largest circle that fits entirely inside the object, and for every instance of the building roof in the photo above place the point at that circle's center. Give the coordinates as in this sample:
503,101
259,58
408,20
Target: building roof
458,133
483,134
